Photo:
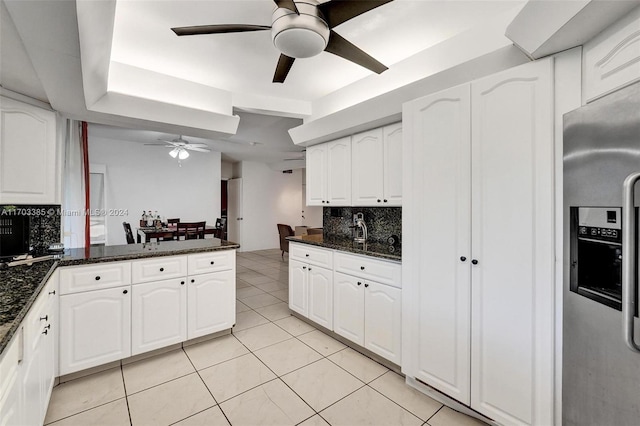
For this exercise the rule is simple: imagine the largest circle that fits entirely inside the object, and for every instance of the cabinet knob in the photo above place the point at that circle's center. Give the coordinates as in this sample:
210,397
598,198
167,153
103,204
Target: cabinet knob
212,262
125,291
378,200
309,268
366,285
463,259
359,283
97,277
327,202
193,281
385,201
47,327
306,255
304,267
44,318
362,268
161,269
45,332
181,282
474,261
52,292
322,201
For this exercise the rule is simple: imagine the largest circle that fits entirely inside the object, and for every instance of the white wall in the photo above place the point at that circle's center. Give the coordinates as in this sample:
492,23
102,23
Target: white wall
140,178
269,197
226,170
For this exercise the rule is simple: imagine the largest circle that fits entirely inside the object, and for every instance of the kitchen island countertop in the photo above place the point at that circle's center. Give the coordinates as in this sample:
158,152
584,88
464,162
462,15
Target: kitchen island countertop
373,249
21,285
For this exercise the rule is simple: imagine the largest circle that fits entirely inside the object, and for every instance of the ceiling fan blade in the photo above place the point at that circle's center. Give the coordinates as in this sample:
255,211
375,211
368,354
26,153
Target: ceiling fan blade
191,148
197,145
218,29
287,4
338,11
159,144
340,46
282,69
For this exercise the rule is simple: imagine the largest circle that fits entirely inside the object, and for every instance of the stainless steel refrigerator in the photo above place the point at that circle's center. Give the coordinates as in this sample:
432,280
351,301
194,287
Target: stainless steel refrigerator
601,331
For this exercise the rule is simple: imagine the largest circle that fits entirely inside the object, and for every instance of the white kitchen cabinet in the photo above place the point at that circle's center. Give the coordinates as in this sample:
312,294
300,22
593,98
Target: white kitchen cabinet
376,171
95,328
348,307
369,314
74,279
158,314
211,304
160,268
482,254
11,371
329,173
611,60
367,151
311,283
28,154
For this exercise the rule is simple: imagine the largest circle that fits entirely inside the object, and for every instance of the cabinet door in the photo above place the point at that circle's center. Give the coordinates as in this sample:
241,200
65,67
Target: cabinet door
321,296
317,175
512,239
367,168
11,406
436,327
392,137
298,287
28,157
158,314
382,320
339,172
95,328
211,303
348,307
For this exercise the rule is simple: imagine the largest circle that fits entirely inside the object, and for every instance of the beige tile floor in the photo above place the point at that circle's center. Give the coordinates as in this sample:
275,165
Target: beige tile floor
273,370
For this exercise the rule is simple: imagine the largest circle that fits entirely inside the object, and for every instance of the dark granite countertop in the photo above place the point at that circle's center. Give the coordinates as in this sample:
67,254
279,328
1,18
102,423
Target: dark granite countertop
373,249
19,288
21,285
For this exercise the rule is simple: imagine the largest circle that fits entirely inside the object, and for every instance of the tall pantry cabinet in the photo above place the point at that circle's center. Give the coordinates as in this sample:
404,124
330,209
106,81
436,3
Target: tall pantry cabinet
478,264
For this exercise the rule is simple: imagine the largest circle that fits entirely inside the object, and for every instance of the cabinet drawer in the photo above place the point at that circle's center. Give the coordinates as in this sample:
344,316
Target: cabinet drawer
75,279
313,255
214,261
389,273
161,268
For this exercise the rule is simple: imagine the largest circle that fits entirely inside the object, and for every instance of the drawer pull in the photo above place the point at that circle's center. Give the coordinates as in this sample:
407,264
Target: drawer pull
181,282
44,318
362,268
307,255
366,285
125,291
193,281
47,327
161,269
52,292
304,267
359,283
97,277
309,268
45,332
212,262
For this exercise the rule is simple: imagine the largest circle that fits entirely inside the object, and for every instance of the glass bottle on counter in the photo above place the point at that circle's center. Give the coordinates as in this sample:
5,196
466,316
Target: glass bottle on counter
149,219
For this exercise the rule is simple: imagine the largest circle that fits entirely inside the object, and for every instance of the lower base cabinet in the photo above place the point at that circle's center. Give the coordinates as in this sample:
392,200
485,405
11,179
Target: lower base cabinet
311,292
369,314
211,303
159,312
95,328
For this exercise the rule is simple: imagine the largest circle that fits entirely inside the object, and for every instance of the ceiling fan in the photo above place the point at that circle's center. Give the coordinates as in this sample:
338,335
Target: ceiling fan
181,147
301,29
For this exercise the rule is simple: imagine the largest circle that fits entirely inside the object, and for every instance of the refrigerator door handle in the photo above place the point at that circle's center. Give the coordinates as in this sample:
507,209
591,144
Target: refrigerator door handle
628,260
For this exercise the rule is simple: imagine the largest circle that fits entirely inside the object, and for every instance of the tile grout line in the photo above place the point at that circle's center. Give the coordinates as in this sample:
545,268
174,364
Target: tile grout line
126,397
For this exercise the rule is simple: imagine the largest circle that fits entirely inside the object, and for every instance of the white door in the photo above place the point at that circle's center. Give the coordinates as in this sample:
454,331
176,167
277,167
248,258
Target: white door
234,211
339,172
298,287
320,284
348,307
102,317
512,241
211,305
158,314
436,344
316,175
392,137
367,168
383,320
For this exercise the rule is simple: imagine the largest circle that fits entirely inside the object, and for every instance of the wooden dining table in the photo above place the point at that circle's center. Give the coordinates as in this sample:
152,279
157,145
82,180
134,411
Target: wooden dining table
148,233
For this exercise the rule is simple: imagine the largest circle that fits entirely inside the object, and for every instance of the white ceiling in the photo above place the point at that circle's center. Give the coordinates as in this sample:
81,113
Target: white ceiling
244,63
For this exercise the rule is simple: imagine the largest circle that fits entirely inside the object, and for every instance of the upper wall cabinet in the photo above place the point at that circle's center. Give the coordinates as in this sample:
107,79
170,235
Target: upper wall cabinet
28,155
329,173
376,171
612,58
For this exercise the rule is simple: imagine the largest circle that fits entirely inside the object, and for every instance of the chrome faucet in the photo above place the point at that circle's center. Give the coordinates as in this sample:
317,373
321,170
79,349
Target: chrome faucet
360,228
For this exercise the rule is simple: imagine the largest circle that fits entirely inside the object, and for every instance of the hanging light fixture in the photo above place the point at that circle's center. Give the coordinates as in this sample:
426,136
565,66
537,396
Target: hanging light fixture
183,154
174,152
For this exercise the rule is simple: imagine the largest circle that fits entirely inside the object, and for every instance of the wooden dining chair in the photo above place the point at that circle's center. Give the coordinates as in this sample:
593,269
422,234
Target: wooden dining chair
191,230
284,231
128,234
173,222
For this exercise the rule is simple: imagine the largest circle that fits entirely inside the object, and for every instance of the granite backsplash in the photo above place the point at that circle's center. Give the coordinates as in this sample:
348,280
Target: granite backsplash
382,222
44,224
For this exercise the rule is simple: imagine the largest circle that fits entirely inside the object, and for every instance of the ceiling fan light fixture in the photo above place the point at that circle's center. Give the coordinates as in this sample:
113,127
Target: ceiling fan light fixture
183,154
299,36
174,152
